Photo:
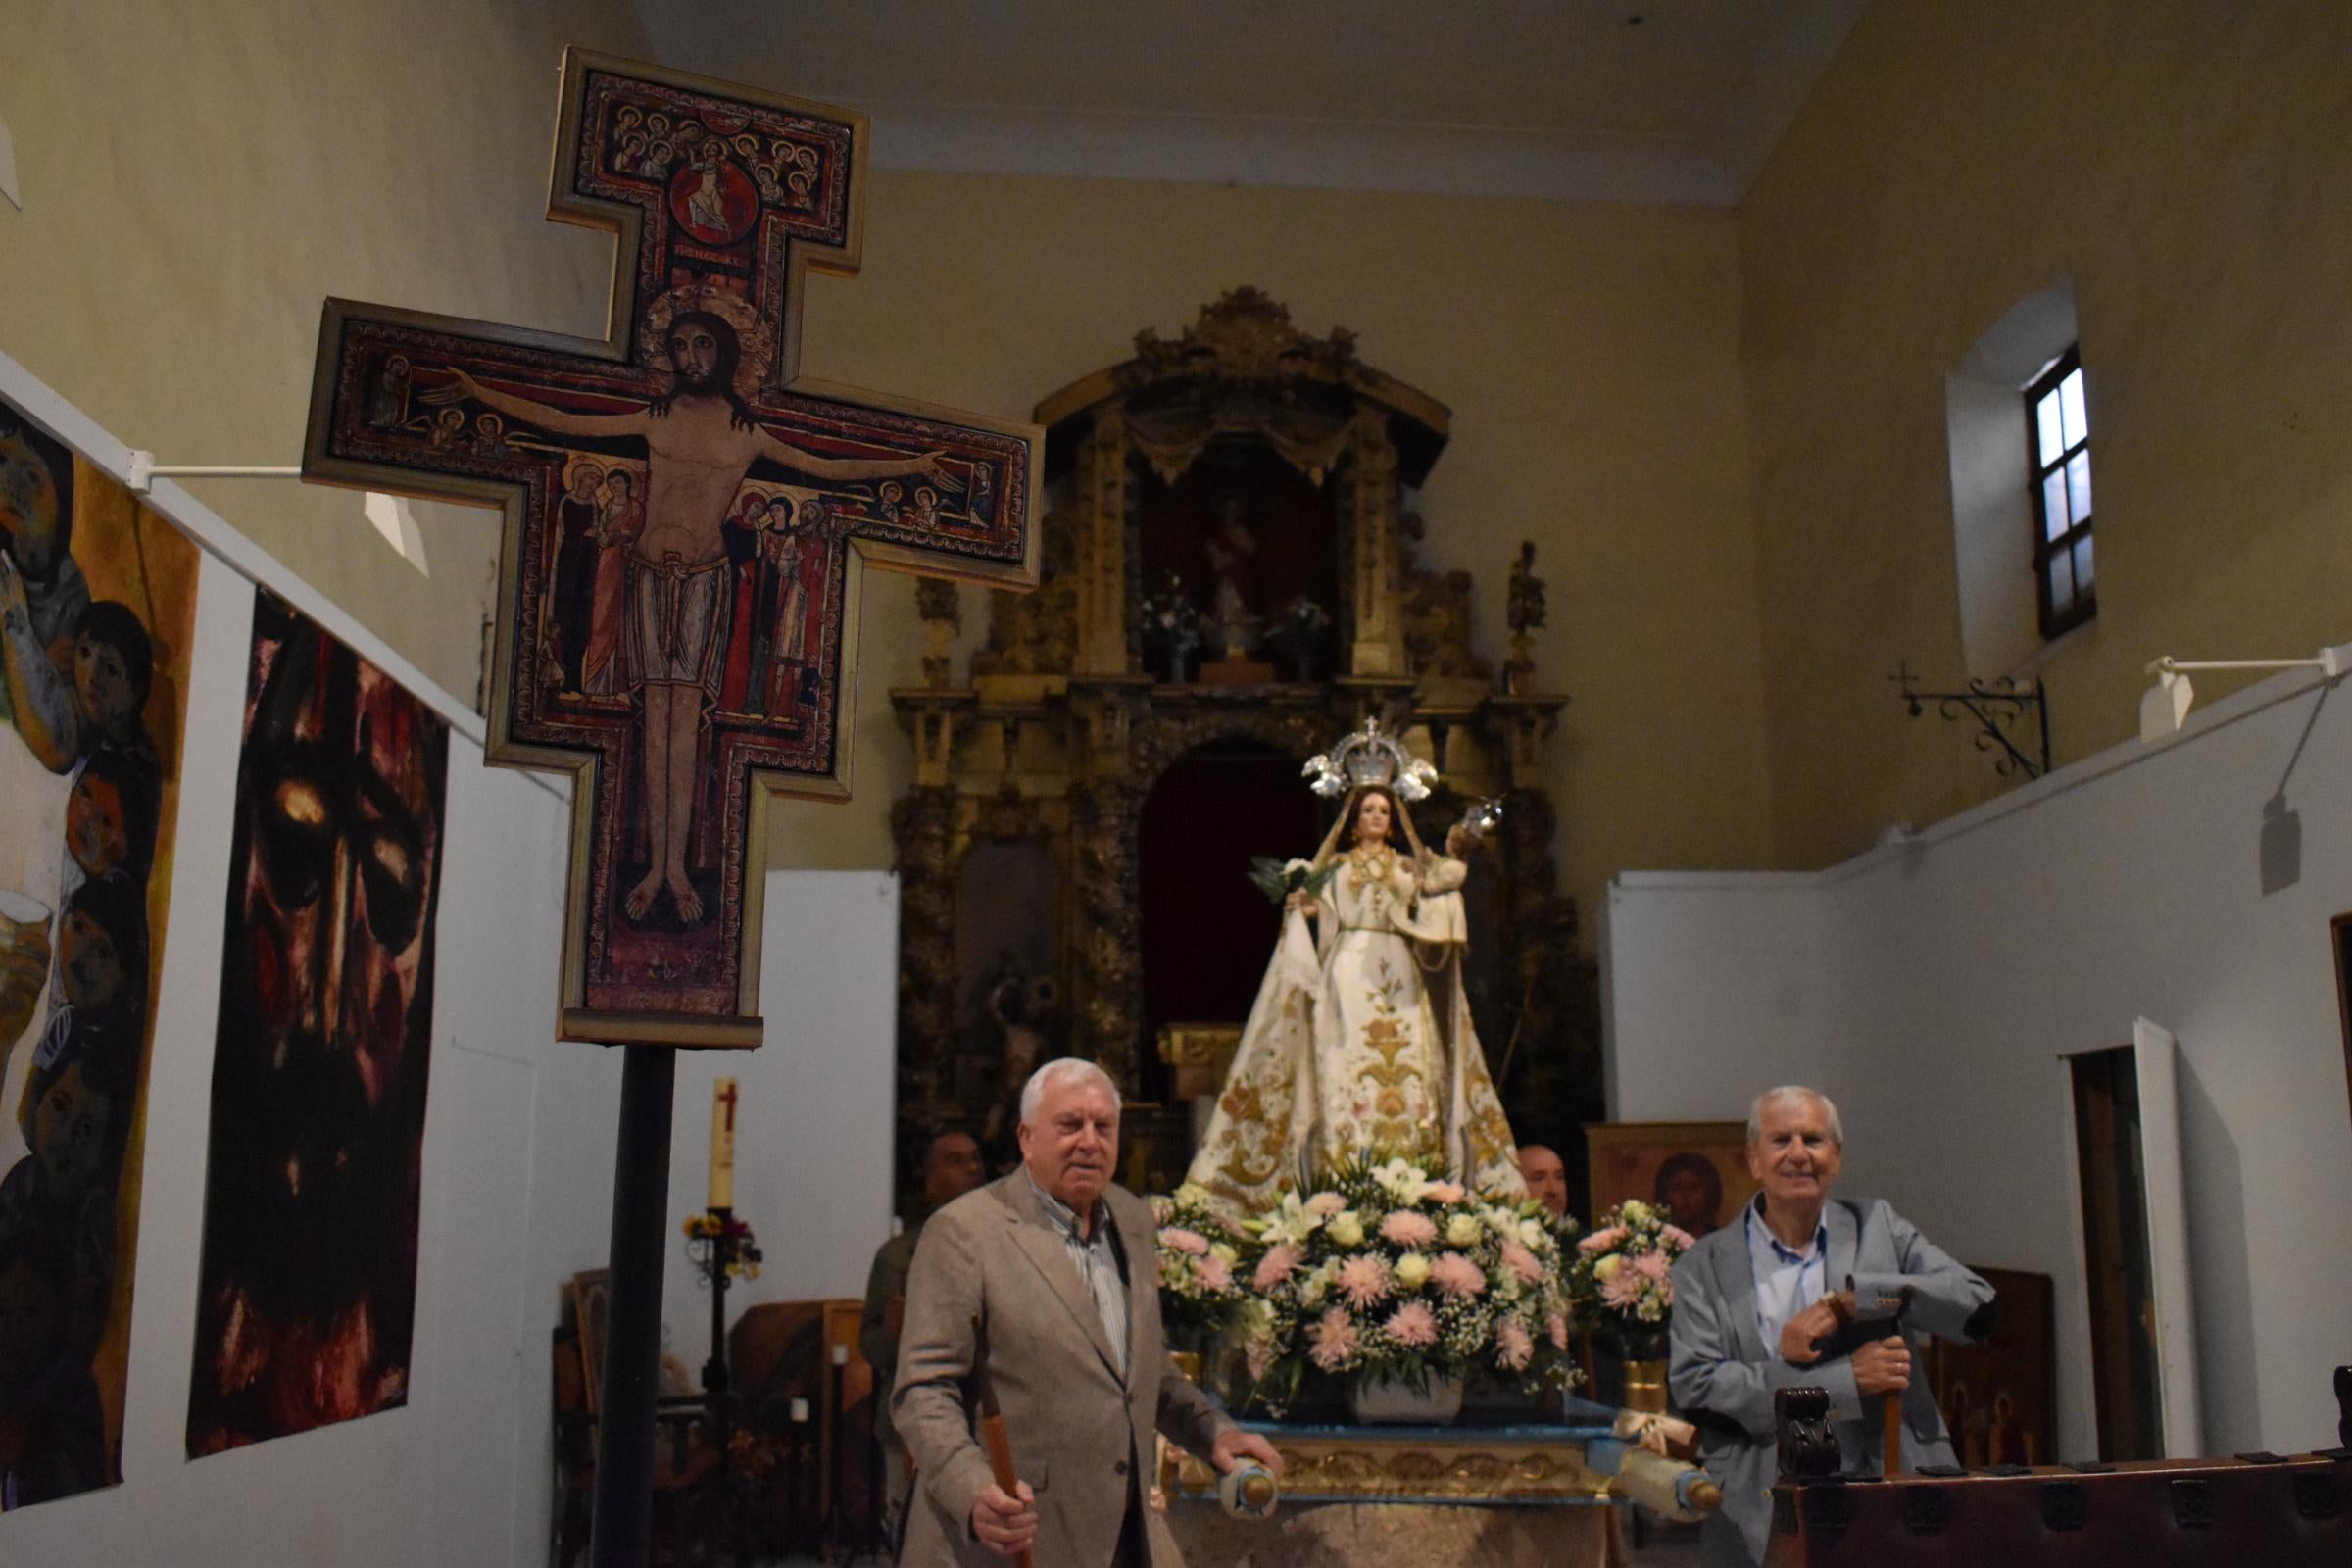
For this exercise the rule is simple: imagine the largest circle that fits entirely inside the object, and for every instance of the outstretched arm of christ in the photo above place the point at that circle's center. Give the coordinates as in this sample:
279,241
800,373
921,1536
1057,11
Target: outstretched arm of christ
789,456
561,421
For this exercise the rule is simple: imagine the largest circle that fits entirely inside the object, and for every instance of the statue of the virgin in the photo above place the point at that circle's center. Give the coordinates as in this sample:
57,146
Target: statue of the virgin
1360,1044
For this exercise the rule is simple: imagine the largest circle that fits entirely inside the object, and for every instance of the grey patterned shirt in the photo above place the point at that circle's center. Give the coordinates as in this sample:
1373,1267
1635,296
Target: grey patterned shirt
1099,1263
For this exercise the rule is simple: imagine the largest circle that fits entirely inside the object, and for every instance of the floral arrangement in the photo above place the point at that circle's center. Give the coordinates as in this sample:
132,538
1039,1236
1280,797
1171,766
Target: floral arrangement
1622,1278
1384,1273
1279,879
729,1236
1200,1259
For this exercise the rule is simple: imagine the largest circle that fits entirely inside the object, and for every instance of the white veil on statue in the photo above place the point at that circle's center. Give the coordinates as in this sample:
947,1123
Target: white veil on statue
1360,1041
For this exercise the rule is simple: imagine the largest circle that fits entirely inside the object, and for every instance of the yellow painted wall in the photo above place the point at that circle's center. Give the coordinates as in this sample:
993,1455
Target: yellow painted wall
199,176
2190,167
1588,352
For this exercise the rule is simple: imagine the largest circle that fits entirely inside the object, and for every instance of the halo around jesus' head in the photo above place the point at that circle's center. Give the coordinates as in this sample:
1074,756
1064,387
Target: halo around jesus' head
756,342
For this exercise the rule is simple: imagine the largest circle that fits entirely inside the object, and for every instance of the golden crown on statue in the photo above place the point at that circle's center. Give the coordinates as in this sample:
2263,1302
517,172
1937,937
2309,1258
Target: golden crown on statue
1370,756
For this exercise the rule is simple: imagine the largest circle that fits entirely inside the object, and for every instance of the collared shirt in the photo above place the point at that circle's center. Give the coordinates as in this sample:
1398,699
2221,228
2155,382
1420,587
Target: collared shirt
1786,1282
1097,1258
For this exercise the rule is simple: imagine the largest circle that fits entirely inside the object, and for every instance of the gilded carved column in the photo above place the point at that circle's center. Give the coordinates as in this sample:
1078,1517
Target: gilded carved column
1104,485
1371,502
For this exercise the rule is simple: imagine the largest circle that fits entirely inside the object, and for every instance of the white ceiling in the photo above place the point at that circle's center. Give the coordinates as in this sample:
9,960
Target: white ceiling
1558,98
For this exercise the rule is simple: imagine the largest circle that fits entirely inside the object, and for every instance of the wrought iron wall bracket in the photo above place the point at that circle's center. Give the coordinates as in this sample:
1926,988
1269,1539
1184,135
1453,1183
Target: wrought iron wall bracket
1998,708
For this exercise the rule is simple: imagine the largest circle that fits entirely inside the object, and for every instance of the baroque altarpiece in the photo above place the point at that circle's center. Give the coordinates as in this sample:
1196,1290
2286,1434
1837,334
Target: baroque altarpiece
1231,582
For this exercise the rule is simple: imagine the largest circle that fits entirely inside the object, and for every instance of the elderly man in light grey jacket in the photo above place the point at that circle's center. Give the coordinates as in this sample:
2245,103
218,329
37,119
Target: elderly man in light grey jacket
1757,1309
1047,1280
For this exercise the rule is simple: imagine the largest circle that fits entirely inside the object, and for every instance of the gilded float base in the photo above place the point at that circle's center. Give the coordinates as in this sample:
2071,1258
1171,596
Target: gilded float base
1389,1534
1415,1464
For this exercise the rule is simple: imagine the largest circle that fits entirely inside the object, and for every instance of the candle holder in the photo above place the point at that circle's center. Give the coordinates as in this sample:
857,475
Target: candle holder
721,1247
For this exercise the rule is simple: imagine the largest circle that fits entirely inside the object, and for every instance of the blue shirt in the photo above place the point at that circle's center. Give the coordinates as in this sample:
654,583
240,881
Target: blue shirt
1786,1282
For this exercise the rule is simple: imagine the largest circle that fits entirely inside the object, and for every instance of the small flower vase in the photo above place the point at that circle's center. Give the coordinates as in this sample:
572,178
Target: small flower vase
1641,1357
1382,1402
1188,1366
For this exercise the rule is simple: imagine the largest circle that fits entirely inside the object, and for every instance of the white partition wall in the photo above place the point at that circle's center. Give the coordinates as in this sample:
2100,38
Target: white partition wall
815,1120
1930,987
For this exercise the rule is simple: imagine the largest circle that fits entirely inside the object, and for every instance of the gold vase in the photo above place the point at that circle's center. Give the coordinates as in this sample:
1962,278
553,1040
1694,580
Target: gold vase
1187,1365
1645,1387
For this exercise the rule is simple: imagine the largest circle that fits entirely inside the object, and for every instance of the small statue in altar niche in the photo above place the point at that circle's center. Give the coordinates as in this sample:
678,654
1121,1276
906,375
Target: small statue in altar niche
1021,1007
1300,638
1231,546
1171,628
1523,612
1360,1046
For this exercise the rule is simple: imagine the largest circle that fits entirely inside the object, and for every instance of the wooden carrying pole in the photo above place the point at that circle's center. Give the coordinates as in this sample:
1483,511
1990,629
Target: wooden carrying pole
993,1435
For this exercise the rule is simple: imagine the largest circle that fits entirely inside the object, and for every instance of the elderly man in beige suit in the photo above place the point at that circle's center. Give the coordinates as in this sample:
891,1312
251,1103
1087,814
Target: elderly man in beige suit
1048,1280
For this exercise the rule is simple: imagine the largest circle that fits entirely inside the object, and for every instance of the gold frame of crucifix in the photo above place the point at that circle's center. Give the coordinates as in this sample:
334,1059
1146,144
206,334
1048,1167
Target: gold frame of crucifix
624,223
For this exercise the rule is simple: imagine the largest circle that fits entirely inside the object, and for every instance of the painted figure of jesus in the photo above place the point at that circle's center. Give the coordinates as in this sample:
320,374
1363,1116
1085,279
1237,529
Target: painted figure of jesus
701,441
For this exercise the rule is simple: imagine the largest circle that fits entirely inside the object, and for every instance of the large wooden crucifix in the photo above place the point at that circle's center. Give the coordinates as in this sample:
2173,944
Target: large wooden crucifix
684,523
679,586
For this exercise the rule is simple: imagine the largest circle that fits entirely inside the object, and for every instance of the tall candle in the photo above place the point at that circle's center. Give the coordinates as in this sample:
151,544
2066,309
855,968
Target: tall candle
723,1143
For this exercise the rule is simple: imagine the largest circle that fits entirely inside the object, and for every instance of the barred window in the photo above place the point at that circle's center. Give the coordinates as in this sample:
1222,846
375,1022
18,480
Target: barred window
2058,427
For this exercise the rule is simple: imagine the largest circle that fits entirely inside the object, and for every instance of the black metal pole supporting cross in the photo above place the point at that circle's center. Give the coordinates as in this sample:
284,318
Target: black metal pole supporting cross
684,521
632,1372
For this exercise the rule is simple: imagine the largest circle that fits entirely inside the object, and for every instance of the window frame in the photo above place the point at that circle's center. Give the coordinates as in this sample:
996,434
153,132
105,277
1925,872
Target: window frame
2054,622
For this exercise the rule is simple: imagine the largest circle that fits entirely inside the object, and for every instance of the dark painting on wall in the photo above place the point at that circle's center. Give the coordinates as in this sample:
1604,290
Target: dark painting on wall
1999,1398
309,1281
97,616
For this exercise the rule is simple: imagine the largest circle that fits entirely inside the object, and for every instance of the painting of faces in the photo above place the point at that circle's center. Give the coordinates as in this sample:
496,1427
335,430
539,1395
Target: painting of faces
308,1276
97,605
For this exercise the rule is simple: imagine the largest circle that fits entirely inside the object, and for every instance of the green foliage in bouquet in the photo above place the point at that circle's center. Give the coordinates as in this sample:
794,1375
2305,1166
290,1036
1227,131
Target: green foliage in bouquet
1279,879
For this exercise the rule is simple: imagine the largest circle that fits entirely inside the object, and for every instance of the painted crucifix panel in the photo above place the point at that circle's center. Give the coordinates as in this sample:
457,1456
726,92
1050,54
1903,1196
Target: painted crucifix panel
684,521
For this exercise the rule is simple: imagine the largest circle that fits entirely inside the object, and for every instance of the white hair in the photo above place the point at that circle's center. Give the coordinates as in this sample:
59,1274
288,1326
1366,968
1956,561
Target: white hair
1033,1093
1784,1093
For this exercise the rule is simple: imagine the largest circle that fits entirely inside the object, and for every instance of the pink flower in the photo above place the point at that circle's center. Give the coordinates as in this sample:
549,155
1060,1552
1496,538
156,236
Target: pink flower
1277,1265
1623,1289
1413,1324
1607,1241
1333,1339
1325,1205
1522,1263
1213,1274
1555,1327
1408,1229
1179,1240
1446,1192
1259,1356
1680,1239
1654,1265
1364,1279
1514,1348
1457,1275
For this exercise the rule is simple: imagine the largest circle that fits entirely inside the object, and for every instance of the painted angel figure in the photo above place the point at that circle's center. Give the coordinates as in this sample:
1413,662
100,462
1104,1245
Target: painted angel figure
1360,1041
